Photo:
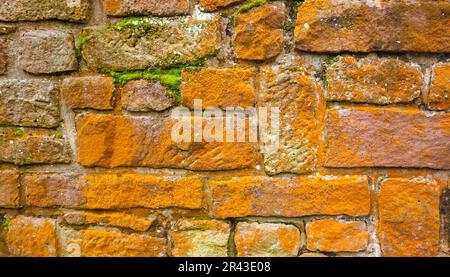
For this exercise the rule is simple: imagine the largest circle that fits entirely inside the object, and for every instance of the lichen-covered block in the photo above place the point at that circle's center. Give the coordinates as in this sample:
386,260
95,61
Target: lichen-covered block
34,10
297,96
355,26
133,44
409,217
301,196
94,92
33,103
112,191
147,7
213,5
387,137
146,95
222,88
32,237
267,240
200,238
438,97
113,140
330,235
47,51
445,211
3,57
259,32
9,189
33,148
373,80
138,220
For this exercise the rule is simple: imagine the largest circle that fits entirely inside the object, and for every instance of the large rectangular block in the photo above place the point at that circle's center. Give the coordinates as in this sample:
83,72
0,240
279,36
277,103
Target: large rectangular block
33,103
112,141
387,137
366,26
111,191
33,10
302,196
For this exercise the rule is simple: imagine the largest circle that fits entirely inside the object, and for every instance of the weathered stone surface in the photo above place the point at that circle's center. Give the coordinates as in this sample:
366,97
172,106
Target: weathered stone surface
113,243
32,237
33,149
297,96
373,80
259,32
438,97
33,10
93,92
445,211
222,88
387,137
331,235
136,220
33,103
313,255
200,238
267,240
409,217
151,42
3,57
356,26
146,95
213,5
9,189
302,196
44,52
6,29
147,7
111,141
110,191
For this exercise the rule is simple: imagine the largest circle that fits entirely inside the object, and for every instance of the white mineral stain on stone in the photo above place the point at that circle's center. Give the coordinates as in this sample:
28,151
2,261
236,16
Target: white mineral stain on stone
73,3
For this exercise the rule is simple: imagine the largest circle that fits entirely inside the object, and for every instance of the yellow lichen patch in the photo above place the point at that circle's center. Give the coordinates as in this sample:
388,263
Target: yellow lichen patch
438,97
331,235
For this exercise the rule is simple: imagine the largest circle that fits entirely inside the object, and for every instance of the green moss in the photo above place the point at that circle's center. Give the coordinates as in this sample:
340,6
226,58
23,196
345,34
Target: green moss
295,69
250,5
140,25
58,136
82,39
325,64
19,133
5,223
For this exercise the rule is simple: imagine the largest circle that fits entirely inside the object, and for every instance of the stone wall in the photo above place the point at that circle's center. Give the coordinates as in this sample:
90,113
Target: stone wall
88,166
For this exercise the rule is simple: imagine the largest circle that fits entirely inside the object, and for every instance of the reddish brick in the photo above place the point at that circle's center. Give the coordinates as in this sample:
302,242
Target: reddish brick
213,5
146,95
409,217
387,137
302,196
9,189
88,92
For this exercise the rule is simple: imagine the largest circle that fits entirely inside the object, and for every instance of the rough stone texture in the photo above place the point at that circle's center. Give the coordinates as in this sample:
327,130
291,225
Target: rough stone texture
331,235
33,10
259,32
409,217
354,26
445,211
222,88
313,255
297,96
145,95
49,51
111,141
6,29
147,7
9,189
155,43
267,240
373,80
3,57
112,191
113,243
138,221
438,97
213,5
33,149
302,196
32,237
200,238
33,103
93,92
387,137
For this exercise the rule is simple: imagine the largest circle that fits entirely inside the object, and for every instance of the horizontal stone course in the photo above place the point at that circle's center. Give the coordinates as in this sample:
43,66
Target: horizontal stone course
147,7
